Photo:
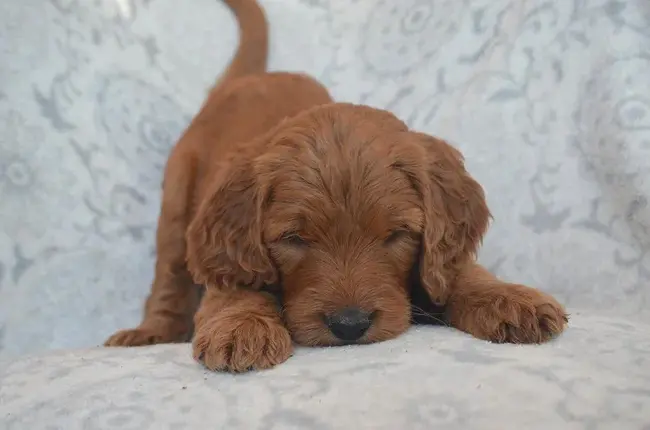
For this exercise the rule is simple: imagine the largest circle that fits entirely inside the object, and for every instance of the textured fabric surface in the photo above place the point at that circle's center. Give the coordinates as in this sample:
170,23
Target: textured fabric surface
431,378
548,100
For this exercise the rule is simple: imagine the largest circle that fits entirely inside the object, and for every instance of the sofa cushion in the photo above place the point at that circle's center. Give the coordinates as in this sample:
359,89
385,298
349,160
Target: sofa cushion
595,376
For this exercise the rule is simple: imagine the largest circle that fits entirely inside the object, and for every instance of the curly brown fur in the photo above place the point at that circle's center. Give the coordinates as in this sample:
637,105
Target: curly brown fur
275,184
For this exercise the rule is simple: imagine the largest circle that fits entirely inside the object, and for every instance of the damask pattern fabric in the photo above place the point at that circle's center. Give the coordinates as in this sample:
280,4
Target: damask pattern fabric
549,100
430,378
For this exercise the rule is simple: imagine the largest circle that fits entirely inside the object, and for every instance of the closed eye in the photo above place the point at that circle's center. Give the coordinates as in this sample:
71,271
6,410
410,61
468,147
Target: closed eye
395,236
294,239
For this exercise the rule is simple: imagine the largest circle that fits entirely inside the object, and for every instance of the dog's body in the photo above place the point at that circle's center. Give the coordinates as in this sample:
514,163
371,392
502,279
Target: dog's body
274,184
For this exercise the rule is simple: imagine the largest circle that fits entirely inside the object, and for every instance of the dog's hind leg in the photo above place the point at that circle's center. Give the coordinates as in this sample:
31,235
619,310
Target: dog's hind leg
170,307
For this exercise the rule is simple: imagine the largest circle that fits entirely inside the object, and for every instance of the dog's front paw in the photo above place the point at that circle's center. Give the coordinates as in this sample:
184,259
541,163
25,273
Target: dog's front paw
514,314
239,344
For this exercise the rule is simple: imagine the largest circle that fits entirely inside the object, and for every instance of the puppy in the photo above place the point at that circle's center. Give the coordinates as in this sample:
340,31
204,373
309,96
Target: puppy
274,188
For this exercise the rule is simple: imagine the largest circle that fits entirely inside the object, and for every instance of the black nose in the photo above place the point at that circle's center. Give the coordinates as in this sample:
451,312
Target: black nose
349,324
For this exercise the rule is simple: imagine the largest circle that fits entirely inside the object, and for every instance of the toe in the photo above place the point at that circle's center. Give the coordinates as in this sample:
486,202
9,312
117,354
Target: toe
134,337
552,320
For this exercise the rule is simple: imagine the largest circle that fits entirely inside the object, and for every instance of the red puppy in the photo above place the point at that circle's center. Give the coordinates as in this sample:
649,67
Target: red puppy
276,188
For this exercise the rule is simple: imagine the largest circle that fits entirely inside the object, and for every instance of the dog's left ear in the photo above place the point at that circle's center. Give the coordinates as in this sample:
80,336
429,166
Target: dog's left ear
456,215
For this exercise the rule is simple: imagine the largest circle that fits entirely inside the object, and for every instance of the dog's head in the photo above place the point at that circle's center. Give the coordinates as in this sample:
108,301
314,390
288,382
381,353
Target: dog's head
335,205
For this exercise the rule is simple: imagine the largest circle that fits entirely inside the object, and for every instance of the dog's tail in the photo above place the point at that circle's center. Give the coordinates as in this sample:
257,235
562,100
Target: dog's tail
252,52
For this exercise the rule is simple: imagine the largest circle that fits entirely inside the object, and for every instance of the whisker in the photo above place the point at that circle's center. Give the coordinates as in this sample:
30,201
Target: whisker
415,310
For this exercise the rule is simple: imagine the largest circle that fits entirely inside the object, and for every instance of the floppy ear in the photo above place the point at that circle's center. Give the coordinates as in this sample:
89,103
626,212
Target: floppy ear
224,239
456,215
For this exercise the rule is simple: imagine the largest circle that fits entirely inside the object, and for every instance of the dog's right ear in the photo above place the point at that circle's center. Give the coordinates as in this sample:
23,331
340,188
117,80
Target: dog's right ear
224,239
